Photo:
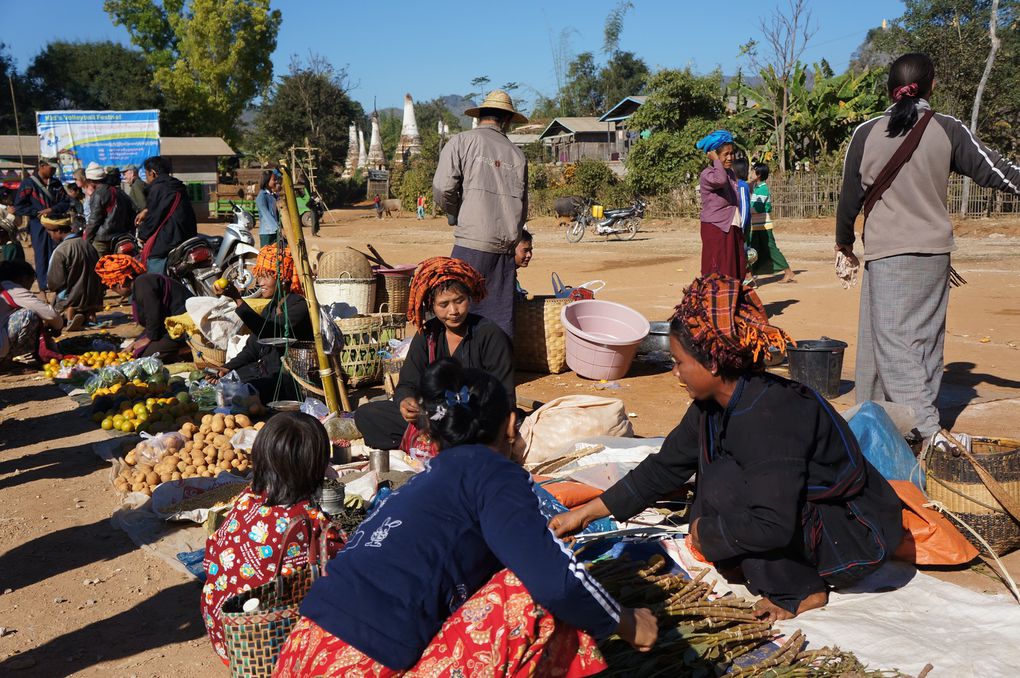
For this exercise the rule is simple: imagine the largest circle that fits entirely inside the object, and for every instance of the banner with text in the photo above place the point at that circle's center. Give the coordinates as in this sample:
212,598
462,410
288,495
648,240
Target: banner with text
110,138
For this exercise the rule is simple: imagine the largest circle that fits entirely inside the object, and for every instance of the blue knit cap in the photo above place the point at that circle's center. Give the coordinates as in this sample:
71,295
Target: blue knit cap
714,140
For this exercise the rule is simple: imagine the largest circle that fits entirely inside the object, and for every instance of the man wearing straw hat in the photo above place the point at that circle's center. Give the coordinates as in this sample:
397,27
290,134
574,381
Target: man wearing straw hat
482,185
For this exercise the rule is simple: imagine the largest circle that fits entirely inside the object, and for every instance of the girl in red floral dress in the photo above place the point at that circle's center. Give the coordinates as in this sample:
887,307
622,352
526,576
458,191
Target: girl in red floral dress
289,460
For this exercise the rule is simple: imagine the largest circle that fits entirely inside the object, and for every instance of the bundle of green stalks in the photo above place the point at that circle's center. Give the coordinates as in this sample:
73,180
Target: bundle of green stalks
700,636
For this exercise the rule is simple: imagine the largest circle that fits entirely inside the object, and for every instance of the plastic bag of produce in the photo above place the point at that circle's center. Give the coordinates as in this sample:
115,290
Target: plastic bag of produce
104,377
203,394
143,368
234,395
152,448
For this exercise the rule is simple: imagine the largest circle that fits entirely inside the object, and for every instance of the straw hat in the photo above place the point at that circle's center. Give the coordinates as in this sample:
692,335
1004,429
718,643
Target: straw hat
499,100
55,223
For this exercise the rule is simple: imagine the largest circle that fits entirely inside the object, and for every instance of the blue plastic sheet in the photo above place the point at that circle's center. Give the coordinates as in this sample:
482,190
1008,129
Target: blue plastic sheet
883,445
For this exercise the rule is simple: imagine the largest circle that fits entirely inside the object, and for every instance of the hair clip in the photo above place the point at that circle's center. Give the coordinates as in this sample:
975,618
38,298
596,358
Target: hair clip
461,397
439,413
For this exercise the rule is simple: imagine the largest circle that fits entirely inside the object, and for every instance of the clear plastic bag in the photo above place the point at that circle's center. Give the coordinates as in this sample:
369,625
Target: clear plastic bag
104,377
234,395
152,449
315,407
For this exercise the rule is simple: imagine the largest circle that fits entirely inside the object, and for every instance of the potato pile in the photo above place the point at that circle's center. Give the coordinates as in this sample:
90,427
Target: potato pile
204,453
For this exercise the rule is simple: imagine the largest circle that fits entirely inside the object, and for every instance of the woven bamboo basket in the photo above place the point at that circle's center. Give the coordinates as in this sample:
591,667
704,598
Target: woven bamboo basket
336,262
360,362
952,481
303,361
539,338
204,354
392,291
394,325
345,289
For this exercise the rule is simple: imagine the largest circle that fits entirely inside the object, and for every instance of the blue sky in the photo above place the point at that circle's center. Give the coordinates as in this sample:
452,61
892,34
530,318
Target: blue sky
435,48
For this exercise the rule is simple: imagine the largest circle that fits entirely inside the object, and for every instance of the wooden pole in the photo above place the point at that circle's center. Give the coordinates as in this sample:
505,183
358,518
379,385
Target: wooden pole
332,385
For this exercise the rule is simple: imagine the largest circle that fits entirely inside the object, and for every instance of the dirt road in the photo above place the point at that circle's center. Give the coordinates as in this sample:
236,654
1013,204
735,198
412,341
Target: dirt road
78,598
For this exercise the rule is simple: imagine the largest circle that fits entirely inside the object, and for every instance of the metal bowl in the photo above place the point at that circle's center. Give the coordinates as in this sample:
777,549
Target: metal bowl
285,406
657,339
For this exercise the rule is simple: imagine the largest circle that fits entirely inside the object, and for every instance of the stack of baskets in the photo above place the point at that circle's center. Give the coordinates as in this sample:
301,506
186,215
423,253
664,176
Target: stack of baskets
345,277
954,482
393,288
205,355
539,338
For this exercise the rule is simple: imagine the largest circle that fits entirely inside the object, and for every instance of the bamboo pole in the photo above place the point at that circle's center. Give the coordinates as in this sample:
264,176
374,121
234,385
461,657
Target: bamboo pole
332,386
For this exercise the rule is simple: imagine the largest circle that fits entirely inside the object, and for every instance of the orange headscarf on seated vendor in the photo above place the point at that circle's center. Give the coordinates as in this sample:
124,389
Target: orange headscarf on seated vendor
276,259
118,269
433,272
727,324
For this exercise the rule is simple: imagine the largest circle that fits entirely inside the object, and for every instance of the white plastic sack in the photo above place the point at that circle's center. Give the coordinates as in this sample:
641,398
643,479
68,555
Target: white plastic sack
550,429
215,318
167,494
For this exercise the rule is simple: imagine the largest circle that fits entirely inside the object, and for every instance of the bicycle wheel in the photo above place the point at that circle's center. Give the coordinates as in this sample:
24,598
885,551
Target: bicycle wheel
575,231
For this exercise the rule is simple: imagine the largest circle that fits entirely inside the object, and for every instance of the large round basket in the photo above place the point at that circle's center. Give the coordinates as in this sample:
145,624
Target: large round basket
346,290
953,481
393,288
336,262
360,361
539,340
205,355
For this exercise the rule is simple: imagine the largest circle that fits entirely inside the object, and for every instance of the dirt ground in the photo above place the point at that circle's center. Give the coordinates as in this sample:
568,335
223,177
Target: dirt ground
78,598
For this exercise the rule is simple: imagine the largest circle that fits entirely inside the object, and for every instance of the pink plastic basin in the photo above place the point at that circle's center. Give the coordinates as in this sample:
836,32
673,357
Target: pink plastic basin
602,337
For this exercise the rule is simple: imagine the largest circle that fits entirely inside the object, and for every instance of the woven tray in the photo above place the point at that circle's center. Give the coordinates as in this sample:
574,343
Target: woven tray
204,354
360,362
539,339
953,482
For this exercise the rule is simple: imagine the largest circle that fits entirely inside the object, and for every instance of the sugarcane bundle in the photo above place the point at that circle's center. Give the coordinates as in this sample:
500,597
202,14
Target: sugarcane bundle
703,636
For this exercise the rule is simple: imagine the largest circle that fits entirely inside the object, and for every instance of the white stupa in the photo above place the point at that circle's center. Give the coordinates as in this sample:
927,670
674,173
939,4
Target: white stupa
376,157
362,150
410,141
351,164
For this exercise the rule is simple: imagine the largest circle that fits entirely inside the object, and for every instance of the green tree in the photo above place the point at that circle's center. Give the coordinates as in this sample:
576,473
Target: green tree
623,75
8,69
954,33
294,111
582,94
210,58
591,177
96,76
417,180
681,108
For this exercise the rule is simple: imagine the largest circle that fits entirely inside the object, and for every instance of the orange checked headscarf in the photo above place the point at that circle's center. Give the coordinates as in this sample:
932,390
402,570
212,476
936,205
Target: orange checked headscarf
118,269
276,259
727,323
432,273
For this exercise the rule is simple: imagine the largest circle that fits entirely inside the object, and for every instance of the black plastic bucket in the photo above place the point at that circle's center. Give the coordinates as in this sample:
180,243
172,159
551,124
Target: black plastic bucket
818,363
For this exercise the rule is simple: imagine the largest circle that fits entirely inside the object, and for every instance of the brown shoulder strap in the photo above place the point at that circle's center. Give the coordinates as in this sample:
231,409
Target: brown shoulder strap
896,162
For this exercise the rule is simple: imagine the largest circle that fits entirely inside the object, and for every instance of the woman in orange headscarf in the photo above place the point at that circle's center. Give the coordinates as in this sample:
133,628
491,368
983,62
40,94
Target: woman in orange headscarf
286,315
784,497
154,298
444,288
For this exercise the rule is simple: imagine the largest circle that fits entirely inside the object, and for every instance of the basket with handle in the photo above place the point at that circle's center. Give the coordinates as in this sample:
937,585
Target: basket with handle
393,289
205,355
254,638
394,325
360,362
982,487
345,289
539,338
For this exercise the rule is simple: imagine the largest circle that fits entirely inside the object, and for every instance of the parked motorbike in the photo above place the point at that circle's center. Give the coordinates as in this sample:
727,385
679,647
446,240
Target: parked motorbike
125,243
622,223
200,261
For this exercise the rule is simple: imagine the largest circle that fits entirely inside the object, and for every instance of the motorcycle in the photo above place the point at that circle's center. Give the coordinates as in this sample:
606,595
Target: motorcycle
125,243
310,208
202,260
622,223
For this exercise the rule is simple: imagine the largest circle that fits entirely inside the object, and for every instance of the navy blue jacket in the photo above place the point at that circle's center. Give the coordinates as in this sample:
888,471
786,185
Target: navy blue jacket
437,540
30,199
170,219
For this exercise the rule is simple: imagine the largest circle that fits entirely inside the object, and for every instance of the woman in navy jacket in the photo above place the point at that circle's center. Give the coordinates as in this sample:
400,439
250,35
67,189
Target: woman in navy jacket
457,569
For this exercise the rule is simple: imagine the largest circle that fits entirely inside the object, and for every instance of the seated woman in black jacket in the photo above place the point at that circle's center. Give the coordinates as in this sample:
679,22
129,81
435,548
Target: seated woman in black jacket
444,287
154,298
285,316
784,495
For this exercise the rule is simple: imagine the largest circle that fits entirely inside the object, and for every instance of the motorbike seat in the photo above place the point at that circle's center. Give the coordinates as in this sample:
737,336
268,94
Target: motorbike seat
620,212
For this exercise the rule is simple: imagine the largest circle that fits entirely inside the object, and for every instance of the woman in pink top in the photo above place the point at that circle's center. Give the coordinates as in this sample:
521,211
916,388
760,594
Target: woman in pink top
722,242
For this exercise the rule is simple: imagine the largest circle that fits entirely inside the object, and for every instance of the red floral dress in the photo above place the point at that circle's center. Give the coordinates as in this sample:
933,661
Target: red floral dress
243,553
499,631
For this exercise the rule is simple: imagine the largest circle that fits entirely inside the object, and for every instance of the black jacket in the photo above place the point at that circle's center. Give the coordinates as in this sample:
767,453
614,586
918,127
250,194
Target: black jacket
258,360
168,206
154,298
765,467
485,347
112,214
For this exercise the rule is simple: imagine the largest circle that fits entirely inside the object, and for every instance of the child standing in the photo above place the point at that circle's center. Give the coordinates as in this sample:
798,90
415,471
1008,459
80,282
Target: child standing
770,259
